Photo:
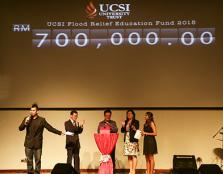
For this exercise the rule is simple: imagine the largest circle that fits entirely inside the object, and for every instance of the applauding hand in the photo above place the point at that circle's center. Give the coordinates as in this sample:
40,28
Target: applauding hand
82,123
133,127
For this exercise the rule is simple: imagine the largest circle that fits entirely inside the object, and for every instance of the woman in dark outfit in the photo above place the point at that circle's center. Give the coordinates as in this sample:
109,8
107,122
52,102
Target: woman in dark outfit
149,146
131,146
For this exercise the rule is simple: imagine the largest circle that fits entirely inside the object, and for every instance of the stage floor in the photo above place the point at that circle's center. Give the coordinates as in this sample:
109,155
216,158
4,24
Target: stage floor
91,173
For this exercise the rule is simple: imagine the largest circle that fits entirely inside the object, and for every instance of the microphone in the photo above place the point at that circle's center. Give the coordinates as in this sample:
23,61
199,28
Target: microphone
28,119
107,125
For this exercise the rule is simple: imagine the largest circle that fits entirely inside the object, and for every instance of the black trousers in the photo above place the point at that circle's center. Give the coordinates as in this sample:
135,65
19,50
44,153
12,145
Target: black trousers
37,156
113,157
74,153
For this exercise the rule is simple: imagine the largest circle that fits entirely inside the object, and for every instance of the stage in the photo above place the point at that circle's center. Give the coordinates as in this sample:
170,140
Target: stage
119,171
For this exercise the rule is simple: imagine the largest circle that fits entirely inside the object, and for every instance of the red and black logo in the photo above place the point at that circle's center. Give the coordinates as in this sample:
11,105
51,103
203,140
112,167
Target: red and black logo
91,10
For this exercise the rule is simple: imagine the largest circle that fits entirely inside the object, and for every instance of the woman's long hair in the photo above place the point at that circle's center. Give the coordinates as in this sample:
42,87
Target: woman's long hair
133,113
150,119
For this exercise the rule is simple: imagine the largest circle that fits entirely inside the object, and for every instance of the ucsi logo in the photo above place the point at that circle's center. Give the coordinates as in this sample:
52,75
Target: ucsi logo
114,11
114,7
91,11
109,11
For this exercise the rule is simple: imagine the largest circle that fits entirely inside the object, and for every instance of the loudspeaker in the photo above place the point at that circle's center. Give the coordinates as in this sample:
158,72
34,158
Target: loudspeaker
210,169
184,164
63,168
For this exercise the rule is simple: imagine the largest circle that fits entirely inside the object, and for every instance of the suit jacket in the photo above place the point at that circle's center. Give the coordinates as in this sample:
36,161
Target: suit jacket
34,132
113,128
72,141
131,131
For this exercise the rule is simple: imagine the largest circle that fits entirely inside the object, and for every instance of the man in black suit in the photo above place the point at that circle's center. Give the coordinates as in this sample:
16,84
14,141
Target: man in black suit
73,128
34,125
107,122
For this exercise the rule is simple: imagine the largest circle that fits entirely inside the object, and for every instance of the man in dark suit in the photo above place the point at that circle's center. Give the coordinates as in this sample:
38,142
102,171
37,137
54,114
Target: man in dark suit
73,128
34,125
107,122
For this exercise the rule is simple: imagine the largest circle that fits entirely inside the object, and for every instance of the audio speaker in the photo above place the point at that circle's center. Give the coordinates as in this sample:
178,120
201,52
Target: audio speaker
184,164
63,168
210,169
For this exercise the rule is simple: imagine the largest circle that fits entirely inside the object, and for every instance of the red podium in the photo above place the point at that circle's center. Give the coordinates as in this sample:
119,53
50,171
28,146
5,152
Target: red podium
106,143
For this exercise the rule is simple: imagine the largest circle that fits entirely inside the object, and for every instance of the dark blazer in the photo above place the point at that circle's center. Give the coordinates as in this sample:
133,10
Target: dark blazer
131,131
34,132
114,128
72,141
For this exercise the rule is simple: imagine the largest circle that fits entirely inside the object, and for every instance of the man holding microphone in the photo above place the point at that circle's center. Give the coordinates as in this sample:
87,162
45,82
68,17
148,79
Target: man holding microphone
34,125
